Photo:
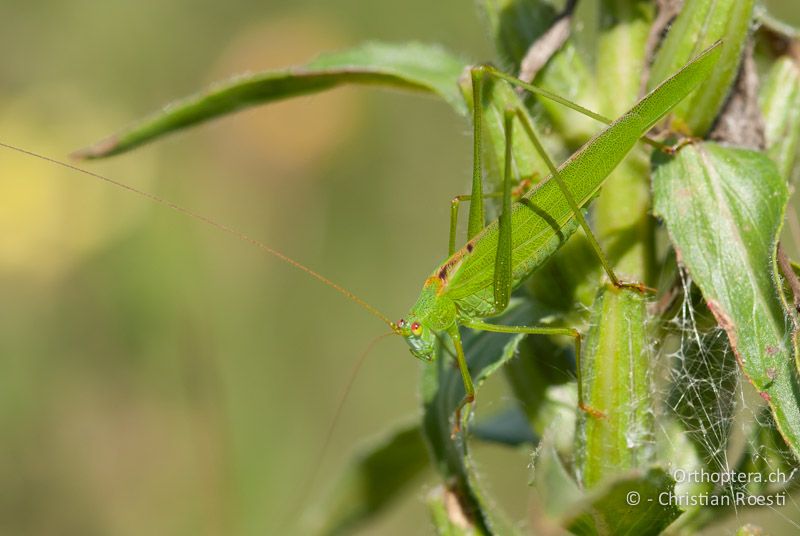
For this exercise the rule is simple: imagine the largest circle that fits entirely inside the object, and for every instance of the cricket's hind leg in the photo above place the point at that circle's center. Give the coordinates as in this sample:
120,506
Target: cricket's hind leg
469,389
576,210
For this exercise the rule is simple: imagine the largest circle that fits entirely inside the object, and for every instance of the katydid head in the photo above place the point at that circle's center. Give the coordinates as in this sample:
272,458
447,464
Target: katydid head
420,338
432,313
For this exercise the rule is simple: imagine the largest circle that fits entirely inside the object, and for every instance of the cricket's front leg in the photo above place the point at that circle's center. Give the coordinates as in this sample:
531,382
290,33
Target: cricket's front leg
469,389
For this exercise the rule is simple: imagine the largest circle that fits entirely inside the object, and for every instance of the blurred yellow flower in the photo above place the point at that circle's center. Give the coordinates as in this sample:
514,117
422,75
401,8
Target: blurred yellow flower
52,217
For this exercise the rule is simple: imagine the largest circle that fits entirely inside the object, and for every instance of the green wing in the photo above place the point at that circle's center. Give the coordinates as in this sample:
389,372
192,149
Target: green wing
543,220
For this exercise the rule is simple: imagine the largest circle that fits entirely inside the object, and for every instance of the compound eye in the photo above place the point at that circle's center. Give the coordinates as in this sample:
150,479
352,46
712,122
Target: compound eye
416,328
401,323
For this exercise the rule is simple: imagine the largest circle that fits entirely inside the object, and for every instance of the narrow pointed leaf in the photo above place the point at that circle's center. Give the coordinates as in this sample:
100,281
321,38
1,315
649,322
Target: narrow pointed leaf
411,66
780,105
724,208
700,23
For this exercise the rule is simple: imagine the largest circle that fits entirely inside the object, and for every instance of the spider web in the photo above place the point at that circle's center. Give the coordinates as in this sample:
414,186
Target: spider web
724,426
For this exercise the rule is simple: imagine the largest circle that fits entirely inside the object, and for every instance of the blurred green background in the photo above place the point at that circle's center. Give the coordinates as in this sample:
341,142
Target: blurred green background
157,376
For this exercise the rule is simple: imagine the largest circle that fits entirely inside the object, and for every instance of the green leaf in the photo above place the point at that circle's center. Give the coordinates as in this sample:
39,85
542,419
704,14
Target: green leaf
442,390
724,208
700,23
628,503
615,375
780,104
410,66
372,481
611,509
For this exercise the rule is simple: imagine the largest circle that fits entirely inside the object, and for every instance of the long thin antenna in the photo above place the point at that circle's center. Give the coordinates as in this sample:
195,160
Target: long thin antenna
326,442
230,230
